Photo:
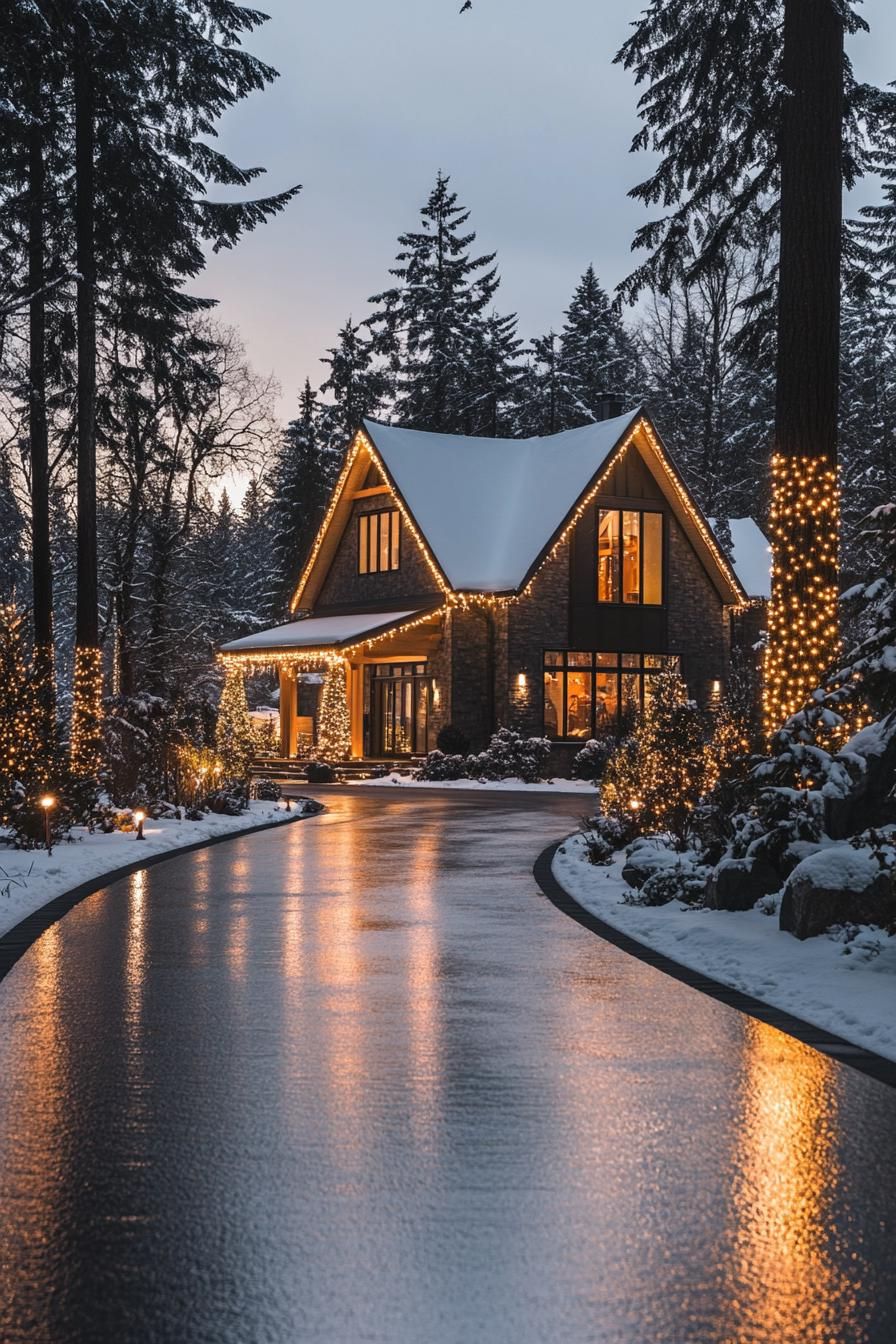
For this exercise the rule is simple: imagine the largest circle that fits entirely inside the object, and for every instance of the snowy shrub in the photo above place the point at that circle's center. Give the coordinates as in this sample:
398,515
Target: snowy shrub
320,772
617,831
27,823
266,790
509,755
590,762
453,741
597,848
439,767
229,800
679,881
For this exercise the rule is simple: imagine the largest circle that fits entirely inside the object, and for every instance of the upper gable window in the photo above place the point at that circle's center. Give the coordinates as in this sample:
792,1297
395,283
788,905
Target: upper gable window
379,541
630,557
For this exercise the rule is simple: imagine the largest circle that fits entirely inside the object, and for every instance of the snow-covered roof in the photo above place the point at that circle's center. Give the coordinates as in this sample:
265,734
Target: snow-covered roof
319,632
488,507
752,557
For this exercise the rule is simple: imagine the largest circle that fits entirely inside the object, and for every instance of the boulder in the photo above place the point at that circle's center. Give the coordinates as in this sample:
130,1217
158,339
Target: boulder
737,884
839,885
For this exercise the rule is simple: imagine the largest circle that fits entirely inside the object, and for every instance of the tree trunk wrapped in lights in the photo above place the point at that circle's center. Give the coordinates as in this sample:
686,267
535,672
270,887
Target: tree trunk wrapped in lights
233,738
802,619
86,746
21,718
334,731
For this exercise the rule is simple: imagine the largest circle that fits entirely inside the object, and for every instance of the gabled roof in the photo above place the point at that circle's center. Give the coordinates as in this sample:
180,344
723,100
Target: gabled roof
488,507
488,512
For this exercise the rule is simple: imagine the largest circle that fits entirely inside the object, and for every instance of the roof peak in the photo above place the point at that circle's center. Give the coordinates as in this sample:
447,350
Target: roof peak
620,422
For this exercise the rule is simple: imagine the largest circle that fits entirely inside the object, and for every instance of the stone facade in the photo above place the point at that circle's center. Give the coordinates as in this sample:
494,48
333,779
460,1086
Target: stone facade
698,629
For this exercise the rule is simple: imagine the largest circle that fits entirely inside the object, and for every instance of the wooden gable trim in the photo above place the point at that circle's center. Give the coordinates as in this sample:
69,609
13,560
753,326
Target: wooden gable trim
371,490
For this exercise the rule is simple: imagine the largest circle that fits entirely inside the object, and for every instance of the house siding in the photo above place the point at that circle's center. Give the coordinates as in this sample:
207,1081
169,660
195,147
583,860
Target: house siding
413,584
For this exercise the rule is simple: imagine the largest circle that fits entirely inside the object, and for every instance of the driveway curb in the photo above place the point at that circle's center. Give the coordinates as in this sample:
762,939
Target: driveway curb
17,940
845,1052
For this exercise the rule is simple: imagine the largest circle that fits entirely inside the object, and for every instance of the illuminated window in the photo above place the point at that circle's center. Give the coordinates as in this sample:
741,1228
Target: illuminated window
379,541
588,694
630,557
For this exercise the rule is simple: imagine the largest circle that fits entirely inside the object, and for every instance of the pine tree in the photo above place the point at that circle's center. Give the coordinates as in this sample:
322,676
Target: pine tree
233,738
426,325
495,378
302,478
754,107
540,388
597,356
356,385
334,737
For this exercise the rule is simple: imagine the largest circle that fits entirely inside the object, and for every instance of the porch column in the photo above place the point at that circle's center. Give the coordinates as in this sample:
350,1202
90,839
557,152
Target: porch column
287,712
356,707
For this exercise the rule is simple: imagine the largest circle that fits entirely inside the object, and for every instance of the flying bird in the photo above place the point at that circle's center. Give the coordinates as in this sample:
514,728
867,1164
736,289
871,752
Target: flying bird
468,4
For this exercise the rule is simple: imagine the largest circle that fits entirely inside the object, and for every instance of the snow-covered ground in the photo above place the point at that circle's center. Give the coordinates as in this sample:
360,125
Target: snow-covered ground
546,785
31,878
846,988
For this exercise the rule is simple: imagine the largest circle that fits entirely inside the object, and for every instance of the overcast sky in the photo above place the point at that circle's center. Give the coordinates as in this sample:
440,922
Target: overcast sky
518,100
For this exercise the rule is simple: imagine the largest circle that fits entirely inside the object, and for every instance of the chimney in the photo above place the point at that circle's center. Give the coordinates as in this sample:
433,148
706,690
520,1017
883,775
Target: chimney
608,406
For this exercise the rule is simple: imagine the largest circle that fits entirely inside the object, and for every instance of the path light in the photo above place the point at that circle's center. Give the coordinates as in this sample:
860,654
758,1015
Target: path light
48,802
139,817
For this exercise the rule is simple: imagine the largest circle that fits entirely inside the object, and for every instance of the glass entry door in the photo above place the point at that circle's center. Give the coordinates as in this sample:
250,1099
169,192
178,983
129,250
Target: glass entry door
400,709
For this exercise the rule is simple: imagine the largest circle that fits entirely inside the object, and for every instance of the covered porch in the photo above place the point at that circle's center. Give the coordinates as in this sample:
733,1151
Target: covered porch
377,692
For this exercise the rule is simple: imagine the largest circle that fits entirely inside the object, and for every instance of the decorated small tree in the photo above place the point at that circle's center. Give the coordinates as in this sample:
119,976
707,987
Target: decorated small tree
334,735
234,732
657,776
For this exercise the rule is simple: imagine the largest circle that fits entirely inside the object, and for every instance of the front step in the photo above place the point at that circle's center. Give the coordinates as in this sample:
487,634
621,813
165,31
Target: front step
287,768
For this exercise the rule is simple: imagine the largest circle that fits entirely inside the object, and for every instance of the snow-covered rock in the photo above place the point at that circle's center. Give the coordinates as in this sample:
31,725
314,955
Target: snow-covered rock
838,885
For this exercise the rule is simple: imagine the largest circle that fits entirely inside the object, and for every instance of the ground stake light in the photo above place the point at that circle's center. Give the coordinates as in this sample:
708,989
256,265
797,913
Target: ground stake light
139,817
48,802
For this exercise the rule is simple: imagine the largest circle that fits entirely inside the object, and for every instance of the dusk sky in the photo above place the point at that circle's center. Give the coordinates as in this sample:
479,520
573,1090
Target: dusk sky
518,100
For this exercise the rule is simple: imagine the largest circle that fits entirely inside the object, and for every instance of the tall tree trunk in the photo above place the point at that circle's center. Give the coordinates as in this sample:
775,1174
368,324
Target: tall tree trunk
87,687
803,611
41,565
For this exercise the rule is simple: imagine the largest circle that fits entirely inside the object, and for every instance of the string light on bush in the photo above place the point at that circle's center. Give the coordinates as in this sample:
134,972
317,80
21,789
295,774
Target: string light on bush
803,630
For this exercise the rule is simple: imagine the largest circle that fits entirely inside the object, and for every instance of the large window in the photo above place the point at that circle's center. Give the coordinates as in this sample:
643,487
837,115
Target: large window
593,694
630,557
379,541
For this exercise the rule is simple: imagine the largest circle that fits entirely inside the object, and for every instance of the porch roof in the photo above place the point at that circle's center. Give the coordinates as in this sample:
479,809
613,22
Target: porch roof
322,632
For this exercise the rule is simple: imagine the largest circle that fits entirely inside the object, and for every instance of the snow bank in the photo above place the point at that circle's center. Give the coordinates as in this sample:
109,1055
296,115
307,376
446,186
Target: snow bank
546,785
31,878
848,988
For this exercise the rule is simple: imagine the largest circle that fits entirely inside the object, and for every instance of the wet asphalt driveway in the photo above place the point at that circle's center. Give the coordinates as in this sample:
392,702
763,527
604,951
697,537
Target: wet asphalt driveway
358,1080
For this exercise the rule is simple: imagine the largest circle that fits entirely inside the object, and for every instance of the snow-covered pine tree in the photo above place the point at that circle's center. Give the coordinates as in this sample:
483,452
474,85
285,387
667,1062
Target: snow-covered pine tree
597,356
540,387
424,326
302,477
356,384
495,377
756,107
867,423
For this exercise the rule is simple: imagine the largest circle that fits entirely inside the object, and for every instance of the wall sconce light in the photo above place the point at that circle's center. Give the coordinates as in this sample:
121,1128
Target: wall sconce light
521,681
715,690
436,695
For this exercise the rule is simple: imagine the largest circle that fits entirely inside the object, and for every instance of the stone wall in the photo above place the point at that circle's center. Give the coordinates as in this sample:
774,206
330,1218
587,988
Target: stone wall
411,585
698,625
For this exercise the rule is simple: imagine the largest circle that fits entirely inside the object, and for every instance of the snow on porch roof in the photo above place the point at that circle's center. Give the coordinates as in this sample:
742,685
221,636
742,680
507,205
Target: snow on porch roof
488,507
320,632
752,558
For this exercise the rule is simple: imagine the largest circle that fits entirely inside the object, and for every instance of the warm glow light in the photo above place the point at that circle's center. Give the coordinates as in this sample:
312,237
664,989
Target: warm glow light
139,816
47,801
521,681
803,630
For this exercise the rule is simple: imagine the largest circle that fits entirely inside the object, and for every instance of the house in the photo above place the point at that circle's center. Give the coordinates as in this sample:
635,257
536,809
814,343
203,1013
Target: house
535,583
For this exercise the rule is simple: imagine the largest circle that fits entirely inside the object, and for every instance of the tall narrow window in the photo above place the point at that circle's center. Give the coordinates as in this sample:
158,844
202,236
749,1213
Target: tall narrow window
379,541
630,557
608,556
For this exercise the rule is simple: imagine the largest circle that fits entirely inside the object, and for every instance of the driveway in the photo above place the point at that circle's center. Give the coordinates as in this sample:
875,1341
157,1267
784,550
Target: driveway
356,1079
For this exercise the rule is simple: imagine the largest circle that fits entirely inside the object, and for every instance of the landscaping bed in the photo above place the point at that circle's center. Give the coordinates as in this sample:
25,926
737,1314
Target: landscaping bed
843,981
31,878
